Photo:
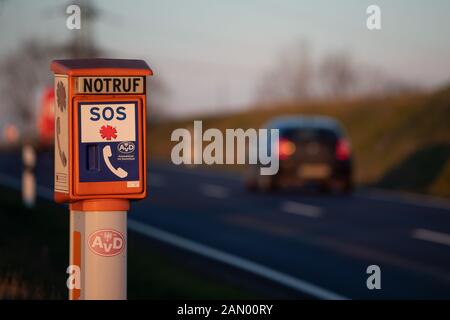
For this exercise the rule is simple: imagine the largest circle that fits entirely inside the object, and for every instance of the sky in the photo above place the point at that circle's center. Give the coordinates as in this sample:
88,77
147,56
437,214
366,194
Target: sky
211,54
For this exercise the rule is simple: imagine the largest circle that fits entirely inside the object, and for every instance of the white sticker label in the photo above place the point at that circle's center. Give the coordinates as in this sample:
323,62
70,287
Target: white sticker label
132,184
108,122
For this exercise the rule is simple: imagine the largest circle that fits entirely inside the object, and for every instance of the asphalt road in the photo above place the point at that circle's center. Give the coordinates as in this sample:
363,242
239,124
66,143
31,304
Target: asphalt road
317,245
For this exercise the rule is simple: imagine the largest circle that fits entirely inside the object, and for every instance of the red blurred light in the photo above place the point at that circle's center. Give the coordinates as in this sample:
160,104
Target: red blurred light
46,117
286,148
342,149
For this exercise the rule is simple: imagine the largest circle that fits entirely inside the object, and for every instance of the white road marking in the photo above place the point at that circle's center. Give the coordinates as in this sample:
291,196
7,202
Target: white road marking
156,180
206,251
215,191
12,182
419,200
301,209
432,236
368,193
204,172
16,184
235,261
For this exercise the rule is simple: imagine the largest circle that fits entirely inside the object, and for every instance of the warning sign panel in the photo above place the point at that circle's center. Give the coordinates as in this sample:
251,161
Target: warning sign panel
108,122
108,149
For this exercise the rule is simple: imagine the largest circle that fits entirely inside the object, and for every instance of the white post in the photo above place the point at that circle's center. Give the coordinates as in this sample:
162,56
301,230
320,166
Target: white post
98,246
28,177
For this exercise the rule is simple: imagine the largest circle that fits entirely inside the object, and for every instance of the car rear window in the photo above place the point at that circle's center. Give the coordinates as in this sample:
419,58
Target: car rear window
299,134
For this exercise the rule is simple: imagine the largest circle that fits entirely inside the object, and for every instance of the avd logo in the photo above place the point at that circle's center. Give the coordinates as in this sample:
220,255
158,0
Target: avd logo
106,243
126,147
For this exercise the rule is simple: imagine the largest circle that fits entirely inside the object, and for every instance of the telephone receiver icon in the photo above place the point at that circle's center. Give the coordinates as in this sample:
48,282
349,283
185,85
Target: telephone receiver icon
107,153
61,153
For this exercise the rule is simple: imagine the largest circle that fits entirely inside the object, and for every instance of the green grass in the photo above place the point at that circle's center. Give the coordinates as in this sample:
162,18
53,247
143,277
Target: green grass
393,138
34,256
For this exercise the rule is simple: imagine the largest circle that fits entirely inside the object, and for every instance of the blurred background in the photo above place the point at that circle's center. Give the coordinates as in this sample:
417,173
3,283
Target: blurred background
239,64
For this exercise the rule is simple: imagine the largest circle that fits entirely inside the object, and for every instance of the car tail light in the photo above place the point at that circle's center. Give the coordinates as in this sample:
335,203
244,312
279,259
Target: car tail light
286,148
342,149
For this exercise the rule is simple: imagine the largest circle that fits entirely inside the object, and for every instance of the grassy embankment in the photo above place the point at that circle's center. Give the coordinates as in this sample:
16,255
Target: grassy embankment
34,256
399,142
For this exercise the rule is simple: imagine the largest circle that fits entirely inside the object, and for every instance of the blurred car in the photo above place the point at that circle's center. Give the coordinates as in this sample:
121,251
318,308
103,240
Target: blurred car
46,118
311,149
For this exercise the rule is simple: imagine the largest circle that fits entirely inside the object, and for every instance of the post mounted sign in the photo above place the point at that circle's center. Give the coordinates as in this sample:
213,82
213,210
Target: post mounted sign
110,85
100,136
108,139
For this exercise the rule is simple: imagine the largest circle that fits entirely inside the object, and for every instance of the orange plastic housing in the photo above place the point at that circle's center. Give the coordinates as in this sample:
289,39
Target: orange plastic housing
70,188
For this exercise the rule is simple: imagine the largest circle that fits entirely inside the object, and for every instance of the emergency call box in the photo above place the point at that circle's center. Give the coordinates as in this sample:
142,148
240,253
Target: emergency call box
100,129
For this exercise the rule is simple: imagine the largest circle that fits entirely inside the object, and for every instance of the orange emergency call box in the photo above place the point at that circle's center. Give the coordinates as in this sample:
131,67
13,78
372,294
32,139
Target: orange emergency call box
100,129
